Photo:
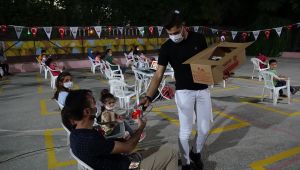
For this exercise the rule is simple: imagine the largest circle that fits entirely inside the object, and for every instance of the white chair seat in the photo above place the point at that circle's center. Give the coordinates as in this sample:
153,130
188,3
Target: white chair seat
274,91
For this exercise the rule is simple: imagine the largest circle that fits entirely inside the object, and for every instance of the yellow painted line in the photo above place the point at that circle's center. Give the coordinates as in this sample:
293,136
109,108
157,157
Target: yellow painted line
52,161
39,80
292,99
295,100
40,89
225,89
259,165
5,82
251,81
44,110
238,125
273,109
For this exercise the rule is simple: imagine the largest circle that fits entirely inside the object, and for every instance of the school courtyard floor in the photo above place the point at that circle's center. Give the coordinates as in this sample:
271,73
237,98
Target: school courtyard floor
246,133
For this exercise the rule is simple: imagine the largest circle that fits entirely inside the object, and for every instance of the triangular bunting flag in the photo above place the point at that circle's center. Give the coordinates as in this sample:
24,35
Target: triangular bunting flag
48,31
74,31
98,30
120,29
142,31
159,29
196,28
256,33
233,33
278,30
214,30
18,30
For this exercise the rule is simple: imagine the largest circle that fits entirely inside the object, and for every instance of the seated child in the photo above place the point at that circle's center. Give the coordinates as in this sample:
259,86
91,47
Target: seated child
282,79
97,57
53,66
264,59
110,120
63,86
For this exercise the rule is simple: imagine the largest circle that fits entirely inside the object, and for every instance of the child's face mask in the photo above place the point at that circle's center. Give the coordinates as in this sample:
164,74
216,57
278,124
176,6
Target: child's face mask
68,85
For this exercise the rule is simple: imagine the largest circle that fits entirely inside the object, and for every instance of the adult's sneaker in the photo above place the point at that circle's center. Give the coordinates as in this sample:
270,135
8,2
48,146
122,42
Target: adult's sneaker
186,167
196,160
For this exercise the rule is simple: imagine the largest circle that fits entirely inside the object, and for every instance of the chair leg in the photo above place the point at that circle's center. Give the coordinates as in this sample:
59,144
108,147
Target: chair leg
289,96
93,70
275,97
252,74
46,73
259,77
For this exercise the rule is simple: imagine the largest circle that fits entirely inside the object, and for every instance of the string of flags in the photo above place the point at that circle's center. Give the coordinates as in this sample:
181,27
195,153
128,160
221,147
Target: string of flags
112,30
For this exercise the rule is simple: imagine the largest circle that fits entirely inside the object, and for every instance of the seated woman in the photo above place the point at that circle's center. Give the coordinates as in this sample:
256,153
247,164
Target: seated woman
108,57
90,146
55,70
63,86
43,57
137,52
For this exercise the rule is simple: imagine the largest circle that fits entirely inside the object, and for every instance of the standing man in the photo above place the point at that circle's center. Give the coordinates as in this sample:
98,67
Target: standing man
191,98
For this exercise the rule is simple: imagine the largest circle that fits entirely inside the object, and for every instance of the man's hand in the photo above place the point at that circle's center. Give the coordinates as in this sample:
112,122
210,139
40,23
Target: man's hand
145,102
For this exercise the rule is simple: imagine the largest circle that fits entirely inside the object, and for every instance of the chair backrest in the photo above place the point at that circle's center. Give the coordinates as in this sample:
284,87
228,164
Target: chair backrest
256,63
118,87
128,57
91,60
268,79
81,164
66,129
61,106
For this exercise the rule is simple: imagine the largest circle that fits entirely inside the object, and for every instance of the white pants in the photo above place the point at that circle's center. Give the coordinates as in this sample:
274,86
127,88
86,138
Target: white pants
190,103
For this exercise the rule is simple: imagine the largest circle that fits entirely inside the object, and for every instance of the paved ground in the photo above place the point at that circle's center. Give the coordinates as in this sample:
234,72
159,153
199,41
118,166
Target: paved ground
246,134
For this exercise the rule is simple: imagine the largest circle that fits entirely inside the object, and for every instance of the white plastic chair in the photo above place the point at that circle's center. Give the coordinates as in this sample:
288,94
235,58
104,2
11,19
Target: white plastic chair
141,81
81,165
53,78
129,59
61,106
112,74
140,62
256,67
94,65
42,67
68,133
40,64
274,91
122,91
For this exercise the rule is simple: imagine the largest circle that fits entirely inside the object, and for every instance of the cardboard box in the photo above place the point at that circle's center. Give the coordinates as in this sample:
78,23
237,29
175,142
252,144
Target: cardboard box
210,65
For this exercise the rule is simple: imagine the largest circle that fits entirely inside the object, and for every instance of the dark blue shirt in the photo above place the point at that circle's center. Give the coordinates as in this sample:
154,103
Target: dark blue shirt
91,147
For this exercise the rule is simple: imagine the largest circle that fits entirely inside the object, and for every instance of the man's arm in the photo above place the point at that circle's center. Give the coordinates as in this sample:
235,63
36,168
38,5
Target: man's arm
155,81
129,146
